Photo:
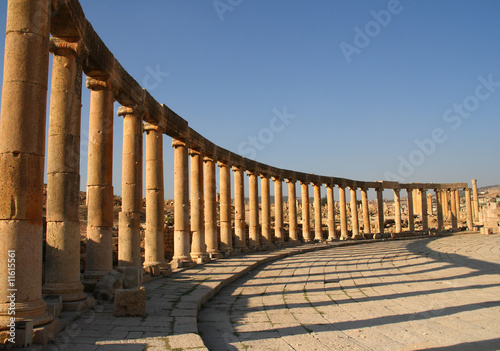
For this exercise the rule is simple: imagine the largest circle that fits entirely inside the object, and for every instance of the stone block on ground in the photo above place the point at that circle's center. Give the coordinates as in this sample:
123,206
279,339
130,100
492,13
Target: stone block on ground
130,302
105,288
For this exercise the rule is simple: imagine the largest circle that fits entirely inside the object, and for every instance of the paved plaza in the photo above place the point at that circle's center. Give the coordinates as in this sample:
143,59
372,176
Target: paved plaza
431,293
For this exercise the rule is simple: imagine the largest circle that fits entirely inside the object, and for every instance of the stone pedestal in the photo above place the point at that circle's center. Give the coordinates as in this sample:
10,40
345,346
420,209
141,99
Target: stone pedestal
239,210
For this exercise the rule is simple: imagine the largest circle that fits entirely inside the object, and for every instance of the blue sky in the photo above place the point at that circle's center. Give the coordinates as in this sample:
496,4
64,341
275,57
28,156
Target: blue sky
412,70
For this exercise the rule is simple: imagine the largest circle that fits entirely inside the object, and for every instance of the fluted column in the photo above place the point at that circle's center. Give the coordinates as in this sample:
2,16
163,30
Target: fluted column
211,238
99,251
278,211
318,232
475,200
226,232
62,265
343,214
292,211
22,149
380,205
354,214
239,209
366,214
439,210
254,211
397,211
468,209
423,208
129,230
198,248
306,216
453,207
332,234
182,245
154,252
411,219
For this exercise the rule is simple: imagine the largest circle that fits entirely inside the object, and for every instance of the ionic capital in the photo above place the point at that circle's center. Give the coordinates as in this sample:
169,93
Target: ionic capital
222,163
276,179
101,83
263,175
236,168
136,111
303,182
178,143
194,152
290,180
208,158
149,127
62,47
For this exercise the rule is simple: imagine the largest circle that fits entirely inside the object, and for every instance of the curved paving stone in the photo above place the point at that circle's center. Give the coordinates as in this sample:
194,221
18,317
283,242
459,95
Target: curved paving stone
434,293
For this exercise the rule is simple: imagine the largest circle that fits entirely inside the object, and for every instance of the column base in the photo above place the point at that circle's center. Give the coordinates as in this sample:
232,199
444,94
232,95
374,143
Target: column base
90,279
69,291
179,263
79,306
200,258
32,311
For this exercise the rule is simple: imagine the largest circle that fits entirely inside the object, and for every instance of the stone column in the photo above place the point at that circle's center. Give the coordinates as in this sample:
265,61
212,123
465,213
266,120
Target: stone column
475,200
99,251
453,206
446,203
182,245
239,210
430,209
397,211
211,209
366,214
267,235
292,211
62,265
306,217
439,210
423,207
415,196
198,248
129,230
22,149
154,252
332,234
457,199
411,219
278,211
354,214
468,209
380,205
343,214
254,211
226,232
318,232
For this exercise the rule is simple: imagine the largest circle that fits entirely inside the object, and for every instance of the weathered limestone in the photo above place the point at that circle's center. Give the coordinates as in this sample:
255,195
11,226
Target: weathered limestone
380,207
453,207
267,235
439,210
278,212
253,229
239,210
411,218
468,209
154,253
226,233
211,239
198,247
306,215
62,265
343,214
182,247
354,214
99,251
445,203
22,148
129,231
366,214
423,208
457,199
430,209
318,232
292,211
397,211
475,200
332,233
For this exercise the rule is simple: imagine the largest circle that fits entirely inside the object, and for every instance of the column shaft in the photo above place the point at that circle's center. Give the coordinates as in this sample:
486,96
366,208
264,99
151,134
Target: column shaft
62,265
129,231
439,210
182,246
332,235
423,208
254,211
154,252
318,227
211,209
226,233
457,199
411,219
468,209
430,209
99,250
397,211
354,214
306,216
198,247
239,209
380,205
278,211
22,149
453,208
343,214
292,211
366,213
475,200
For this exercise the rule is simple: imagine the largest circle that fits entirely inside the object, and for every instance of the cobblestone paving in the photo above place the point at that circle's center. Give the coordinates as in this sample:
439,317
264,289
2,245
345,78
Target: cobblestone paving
436,293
